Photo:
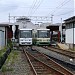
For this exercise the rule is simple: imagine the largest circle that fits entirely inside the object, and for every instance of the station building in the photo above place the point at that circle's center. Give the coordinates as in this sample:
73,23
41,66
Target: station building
55,30
5,34
70,32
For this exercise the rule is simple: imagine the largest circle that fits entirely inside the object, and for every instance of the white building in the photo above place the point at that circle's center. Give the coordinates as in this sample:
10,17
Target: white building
70,32
3,35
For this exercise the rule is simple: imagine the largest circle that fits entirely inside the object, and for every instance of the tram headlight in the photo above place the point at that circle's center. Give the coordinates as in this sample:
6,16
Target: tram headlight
29,39
21,40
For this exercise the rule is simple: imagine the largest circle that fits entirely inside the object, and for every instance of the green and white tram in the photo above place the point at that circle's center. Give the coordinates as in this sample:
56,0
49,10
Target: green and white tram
43,37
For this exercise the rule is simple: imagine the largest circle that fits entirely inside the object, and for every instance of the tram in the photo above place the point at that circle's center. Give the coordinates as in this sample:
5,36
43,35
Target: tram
25,37
43,37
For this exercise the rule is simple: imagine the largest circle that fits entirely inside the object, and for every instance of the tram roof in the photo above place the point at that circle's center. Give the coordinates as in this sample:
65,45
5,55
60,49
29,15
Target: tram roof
43,29
25,29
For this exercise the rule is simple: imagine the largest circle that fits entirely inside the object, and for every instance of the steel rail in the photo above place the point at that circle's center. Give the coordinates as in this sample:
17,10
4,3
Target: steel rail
40,62
30,62
56,63
46,64
64,69
62,51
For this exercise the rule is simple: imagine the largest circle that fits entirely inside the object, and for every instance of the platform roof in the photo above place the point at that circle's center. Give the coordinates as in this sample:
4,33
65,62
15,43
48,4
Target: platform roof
4,25
55,27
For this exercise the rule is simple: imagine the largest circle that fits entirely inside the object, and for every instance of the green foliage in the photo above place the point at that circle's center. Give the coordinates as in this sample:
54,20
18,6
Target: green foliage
9,61
4,69
9,43
3,51
12,57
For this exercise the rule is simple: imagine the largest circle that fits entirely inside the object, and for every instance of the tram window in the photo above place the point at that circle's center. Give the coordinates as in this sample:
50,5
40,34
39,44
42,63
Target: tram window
25,34
43,34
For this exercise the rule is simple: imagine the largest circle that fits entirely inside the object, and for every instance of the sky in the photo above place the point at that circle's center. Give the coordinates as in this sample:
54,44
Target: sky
58,8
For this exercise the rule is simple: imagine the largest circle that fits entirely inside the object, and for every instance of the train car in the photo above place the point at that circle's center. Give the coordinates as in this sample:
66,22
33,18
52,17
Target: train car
25,37
43,37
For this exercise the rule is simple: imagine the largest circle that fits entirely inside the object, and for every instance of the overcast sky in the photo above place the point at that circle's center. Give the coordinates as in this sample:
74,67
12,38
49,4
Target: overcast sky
58,8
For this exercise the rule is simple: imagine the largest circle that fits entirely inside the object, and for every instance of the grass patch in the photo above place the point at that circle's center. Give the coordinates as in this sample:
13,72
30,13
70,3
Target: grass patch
12,57
3,51
5,69
9,43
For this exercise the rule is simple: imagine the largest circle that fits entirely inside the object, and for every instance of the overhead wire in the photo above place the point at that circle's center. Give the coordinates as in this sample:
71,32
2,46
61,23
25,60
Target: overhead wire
65,13
32,6
60,6
40,2
65,2
35,7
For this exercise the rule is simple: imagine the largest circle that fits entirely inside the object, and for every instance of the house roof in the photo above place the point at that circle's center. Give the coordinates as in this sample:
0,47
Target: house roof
71,19
4,25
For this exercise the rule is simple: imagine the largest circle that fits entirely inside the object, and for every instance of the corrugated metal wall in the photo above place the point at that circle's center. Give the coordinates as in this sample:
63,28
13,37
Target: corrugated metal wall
2,39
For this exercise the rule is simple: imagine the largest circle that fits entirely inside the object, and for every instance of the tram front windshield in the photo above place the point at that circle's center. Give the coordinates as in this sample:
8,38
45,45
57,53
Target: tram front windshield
25,34
43,34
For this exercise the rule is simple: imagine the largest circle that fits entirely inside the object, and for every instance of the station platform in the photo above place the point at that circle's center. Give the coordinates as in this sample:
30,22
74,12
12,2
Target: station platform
62,46
60,54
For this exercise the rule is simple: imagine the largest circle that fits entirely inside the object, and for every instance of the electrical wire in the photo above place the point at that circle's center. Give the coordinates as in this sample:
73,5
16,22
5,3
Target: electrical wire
38,6
60,6
32,6
65,13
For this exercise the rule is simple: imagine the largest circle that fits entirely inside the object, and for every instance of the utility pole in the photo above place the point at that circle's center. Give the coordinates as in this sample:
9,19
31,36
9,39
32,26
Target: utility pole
13,29
73,36
61,29
9,17
51,19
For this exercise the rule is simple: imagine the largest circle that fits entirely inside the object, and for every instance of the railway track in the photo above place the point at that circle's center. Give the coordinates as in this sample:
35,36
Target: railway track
42,65
64,52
